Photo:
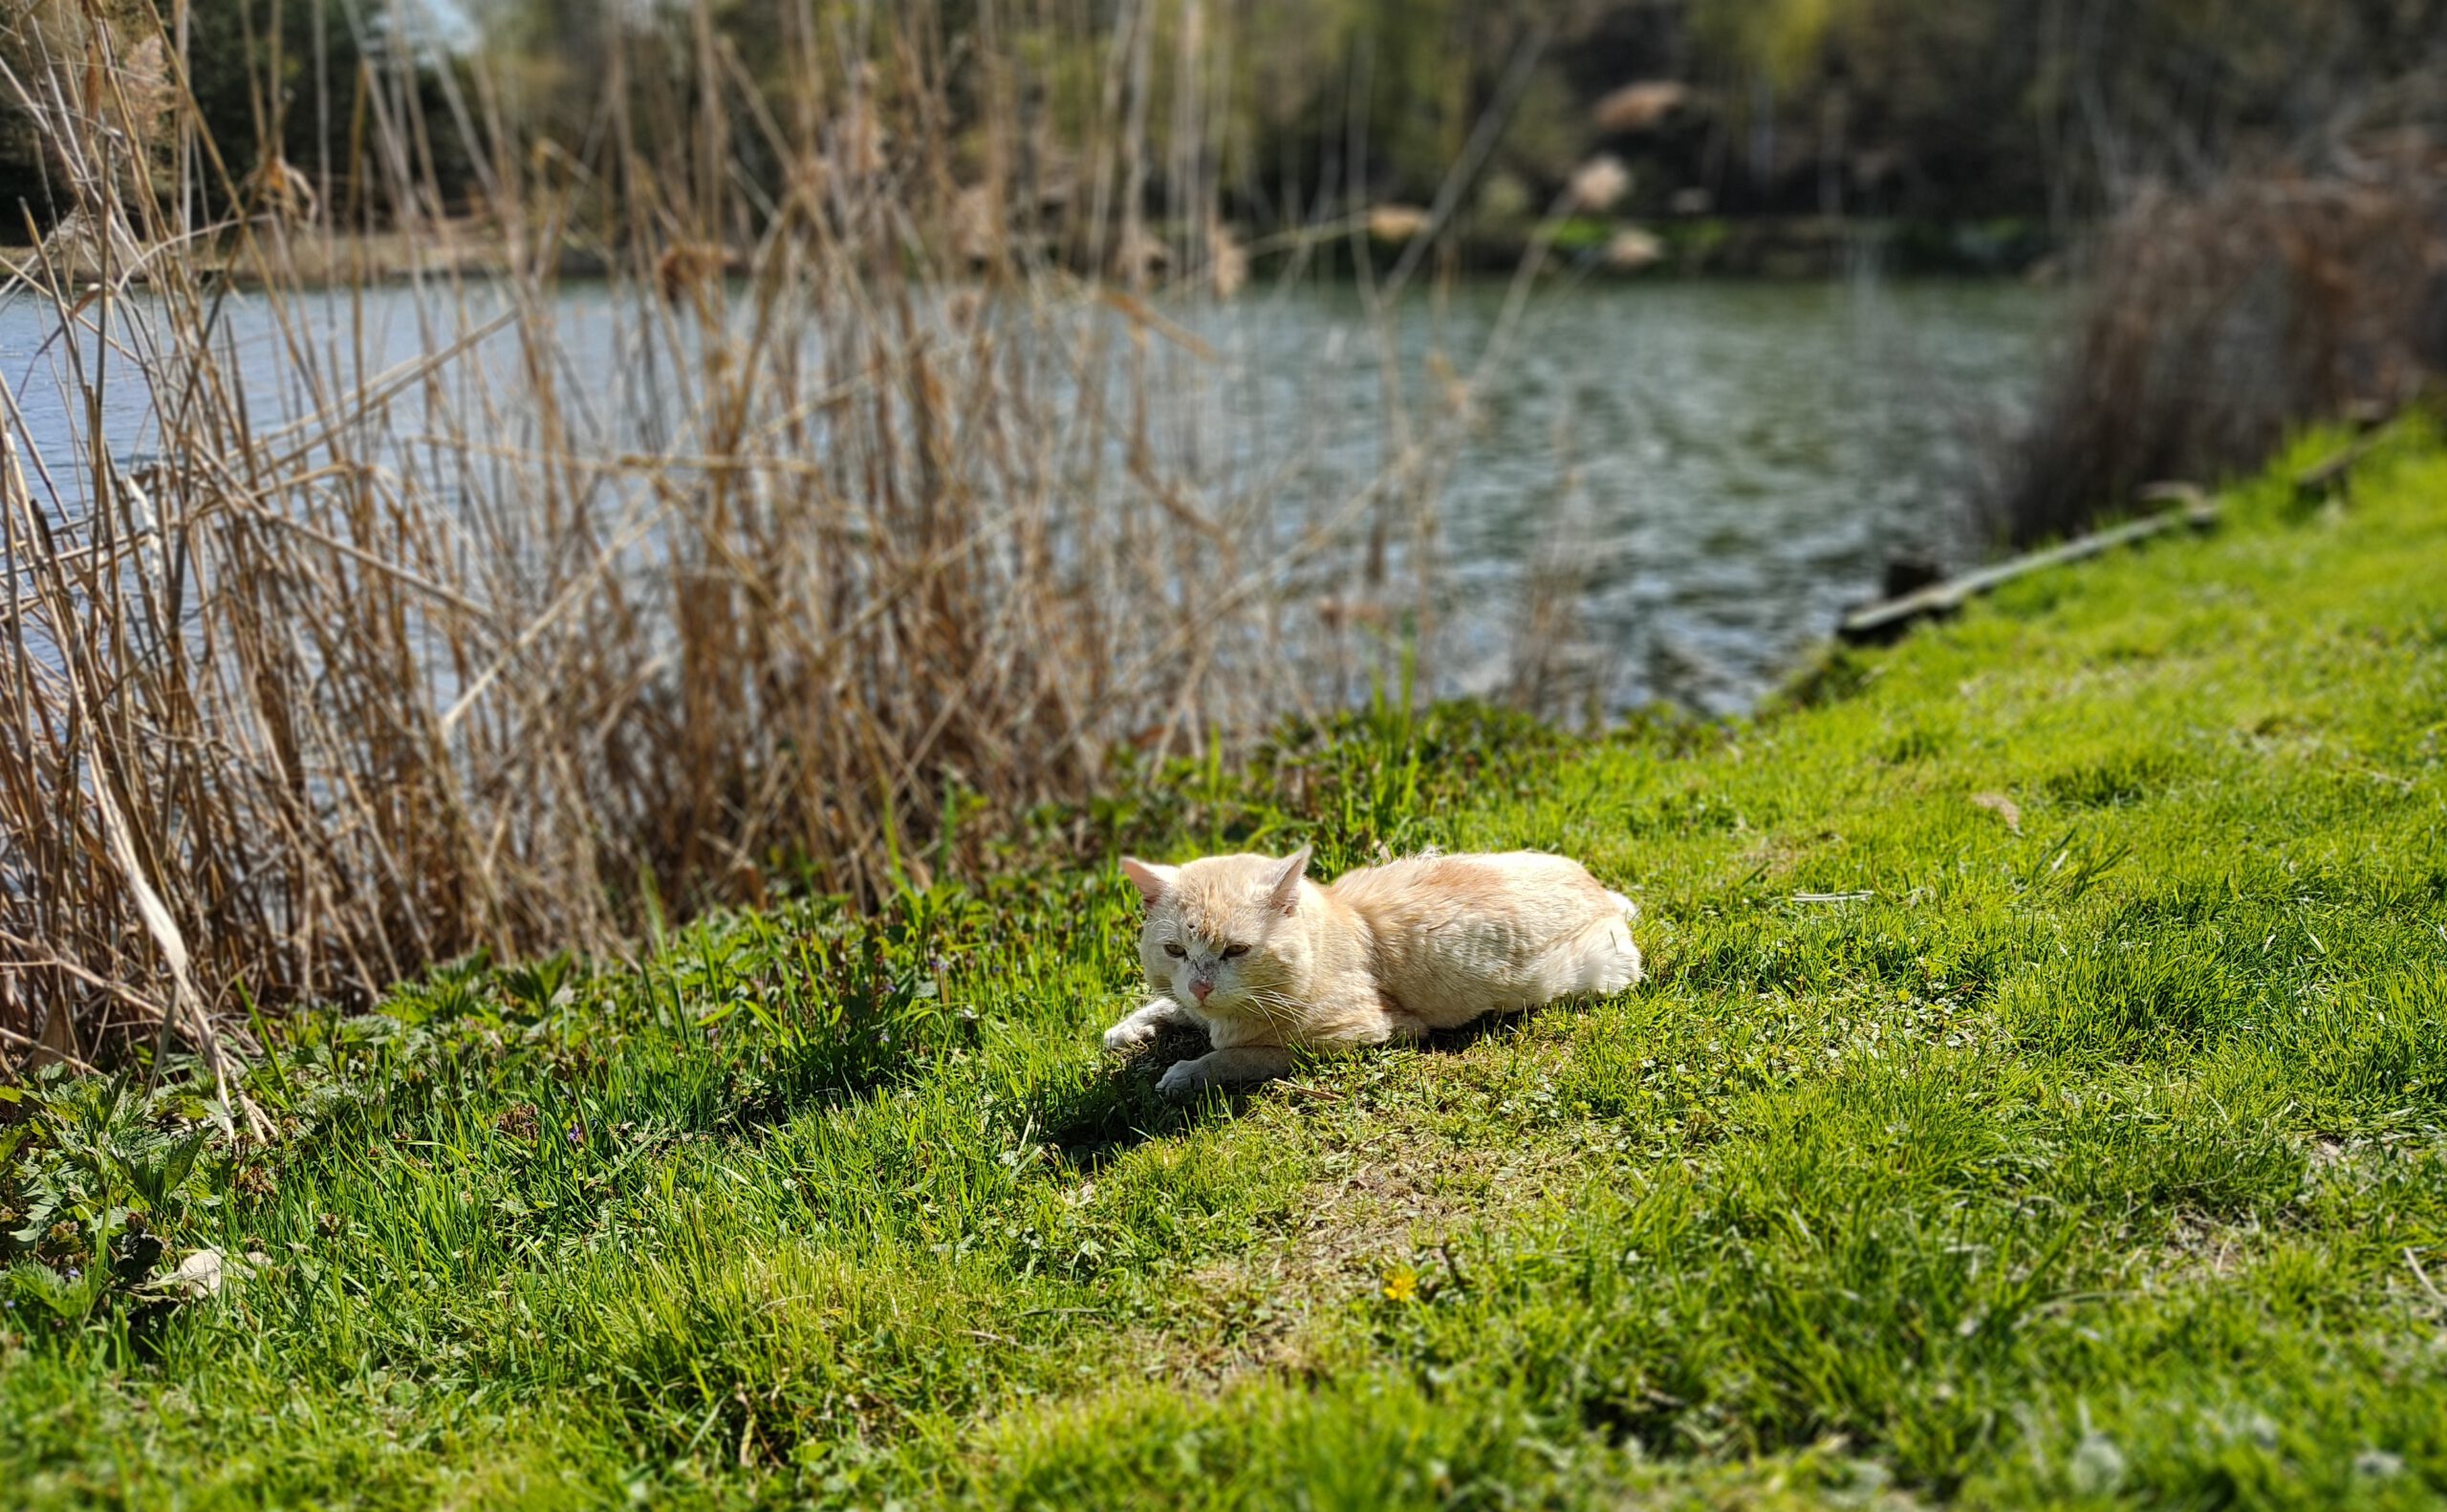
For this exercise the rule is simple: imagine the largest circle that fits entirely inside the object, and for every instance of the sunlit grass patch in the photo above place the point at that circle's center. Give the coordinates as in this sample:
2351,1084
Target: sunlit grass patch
2037,1098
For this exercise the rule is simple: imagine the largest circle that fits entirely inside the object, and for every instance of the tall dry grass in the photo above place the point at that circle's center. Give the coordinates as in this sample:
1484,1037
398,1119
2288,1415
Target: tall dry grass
2217,323
821,542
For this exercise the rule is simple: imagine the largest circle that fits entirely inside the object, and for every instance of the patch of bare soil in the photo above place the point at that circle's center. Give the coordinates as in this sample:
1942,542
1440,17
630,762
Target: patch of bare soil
2197,1250
2201,1249
1403,1179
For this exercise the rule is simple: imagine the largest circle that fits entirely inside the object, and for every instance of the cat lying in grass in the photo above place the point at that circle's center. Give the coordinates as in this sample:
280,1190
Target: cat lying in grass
1263,960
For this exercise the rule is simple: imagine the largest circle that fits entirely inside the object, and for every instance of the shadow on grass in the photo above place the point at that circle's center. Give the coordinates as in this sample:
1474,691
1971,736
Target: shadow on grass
1486,1027
1109,1116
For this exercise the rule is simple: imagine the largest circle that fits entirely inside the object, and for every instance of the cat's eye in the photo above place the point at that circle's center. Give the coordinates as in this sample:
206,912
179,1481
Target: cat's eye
1174,951
1231,951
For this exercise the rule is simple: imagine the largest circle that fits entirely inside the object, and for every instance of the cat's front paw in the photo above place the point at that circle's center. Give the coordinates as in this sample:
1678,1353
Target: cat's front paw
1181,1079
1242,1066
1142,1027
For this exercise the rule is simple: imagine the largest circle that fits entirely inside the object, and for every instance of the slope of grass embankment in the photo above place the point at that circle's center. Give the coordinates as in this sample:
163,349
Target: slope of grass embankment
2039,1096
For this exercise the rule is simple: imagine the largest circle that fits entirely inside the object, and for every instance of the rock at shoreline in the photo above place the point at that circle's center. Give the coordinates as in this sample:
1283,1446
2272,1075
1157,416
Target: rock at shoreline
1641,106
1396,223
1599,184
1632,250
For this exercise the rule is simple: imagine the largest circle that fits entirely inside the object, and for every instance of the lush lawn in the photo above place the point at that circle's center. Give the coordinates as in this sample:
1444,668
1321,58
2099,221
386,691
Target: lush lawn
2038,1097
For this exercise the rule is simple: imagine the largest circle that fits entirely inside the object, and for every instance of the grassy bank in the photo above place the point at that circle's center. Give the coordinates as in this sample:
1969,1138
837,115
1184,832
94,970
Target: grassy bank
2038,1099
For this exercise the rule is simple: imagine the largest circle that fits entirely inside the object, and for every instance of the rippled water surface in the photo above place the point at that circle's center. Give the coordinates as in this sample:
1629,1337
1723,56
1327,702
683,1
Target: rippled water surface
1711,472
1703,475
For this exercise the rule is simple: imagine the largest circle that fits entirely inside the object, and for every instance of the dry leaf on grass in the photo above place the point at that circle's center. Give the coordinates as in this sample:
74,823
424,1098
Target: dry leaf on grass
2002,807
198,1275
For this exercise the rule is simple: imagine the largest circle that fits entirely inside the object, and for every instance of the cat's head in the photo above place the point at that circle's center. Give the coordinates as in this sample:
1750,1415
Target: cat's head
1215,940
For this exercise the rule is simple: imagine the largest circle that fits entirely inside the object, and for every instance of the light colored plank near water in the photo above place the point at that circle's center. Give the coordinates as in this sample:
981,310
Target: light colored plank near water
1893,614
2329,478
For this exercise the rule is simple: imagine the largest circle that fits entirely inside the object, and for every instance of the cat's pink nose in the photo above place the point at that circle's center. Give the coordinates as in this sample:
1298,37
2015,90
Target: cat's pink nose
1199,989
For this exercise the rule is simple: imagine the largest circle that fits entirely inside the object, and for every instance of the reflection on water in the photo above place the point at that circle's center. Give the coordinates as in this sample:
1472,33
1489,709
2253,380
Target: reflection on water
1706,473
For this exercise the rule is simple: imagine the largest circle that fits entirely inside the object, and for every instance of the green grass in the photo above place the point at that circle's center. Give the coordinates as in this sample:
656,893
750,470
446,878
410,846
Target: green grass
2093,1157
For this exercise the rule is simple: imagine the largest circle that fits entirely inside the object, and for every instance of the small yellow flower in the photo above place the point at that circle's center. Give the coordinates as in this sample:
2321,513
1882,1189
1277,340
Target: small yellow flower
1401,1284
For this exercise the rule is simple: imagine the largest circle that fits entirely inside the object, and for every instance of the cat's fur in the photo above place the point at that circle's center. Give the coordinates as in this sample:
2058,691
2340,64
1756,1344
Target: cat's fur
1387,953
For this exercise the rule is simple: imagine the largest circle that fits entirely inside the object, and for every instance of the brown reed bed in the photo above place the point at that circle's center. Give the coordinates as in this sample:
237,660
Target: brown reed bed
2220,322
818,546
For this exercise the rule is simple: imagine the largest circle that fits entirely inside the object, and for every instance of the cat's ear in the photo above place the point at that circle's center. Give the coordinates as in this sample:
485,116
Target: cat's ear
1153,881
1282,889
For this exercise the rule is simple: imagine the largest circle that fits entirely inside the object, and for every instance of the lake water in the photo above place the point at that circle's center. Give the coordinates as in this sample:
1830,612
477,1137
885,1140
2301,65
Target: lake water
1711,472
1703,475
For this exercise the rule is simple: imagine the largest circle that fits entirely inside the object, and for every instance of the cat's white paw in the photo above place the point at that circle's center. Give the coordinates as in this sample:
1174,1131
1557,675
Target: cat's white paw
1130,1034
1181,1079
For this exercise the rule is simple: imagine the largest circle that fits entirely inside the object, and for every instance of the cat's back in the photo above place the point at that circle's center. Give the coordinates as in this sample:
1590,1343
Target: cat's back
1435,883
1457,936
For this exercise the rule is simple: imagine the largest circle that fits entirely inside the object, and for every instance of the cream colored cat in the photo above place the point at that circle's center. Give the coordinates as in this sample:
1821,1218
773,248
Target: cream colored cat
1263,960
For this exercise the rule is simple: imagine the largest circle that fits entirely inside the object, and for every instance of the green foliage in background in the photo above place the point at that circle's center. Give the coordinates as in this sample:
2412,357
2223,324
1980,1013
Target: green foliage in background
284,77
2038,1100
1294,109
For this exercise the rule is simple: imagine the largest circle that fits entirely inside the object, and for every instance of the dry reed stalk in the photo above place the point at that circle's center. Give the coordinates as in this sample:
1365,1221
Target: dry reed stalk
2220,323
573,604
